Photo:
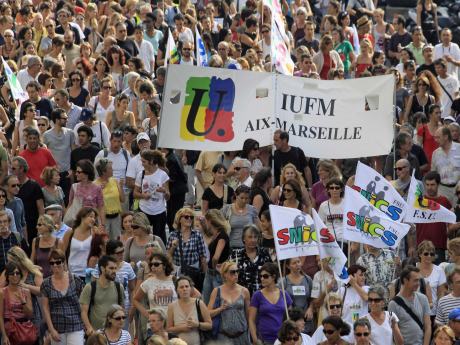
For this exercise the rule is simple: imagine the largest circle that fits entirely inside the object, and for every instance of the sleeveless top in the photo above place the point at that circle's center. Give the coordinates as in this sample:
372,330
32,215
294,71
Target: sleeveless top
360,68
423,108
192,337
118,125
78,256
234,322
12,309
427,18
50,199
80,100
299,33
42,257
111,196
244,46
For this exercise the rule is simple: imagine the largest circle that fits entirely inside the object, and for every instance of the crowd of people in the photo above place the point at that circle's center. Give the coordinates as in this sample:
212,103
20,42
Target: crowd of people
107,238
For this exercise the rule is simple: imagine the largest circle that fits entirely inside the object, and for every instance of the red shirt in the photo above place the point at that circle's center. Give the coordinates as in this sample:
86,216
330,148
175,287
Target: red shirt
429,144
38,161
434,232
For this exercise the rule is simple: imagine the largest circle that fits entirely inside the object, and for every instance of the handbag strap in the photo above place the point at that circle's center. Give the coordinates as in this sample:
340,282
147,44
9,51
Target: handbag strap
409,311
445,91
198,310
181,253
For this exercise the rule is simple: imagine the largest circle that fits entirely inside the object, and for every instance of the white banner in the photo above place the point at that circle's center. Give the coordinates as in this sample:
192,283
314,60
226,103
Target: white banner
364,223
337,119
424,210
328,246
379,192
216,109
294,233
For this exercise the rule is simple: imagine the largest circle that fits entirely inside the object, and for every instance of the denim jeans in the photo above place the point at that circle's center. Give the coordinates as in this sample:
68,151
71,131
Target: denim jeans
212,279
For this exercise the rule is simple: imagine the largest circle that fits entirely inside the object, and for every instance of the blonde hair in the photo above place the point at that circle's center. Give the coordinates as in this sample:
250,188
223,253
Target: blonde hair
331,296
48,222
368,43
47,174
176,341
19,257
424,246
179,214
299,178
156,340
217,220
454,246
447,330
330,167
226,267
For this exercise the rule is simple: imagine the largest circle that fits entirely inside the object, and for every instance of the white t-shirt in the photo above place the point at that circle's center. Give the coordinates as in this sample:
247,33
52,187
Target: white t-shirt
436,279
134,167
452,50
101,112
320,281
186,36
119,162
451,85
334,216
146,54
354,307
159,292
382,334
157,203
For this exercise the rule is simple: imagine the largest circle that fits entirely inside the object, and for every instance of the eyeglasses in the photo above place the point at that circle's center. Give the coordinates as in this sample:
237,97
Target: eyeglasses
188,217
186,49
120,251
156,264
287,190
429,254
106,87
15,273
49,26
294,338
75,79
233,272
55,263
334,188
237,168
364,334
335,306
399,168
38,224
79,172
265,276
119,318
8,36
41,124
3,196
14,185
329,331
375,300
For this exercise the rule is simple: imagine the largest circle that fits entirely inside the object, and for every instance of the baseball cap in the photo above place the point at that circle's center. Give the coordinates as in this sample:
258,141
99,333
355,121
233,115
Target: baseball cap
448,118
54,207
142,136
455,314
428,46
86,114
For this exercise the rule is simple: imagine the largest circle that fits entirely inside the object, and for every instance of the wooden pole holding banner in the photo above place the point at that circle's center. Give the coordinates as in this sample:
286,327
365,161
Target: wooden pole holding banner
283,291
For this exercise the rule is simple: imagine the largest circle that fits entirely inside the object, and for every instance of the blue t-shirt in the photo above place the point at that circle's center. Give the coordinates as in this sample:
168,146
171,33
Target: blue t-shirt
269,316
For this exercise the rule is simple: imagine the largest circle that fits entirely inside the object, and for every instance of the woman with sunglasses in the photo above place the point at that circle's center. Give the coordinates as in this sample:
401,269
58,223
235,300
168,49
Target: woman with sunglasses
218,193
28,114
78,95
289,171
158,288
332,307
267,308
385,329
15,301
44,243
113,327
433,274
61,306
186,247
334,328
289,334
142,236
103,103
292,196
331,210
230,303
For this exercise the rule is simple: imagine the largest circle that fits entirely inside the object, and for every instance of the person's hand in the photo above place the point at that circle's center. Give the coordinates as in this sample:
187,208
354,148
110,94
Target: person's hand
55,335
352,280
161,189
448,58
397,260
223,306
175,243
146,195
6,341
331,285
309,314
410,252
89,331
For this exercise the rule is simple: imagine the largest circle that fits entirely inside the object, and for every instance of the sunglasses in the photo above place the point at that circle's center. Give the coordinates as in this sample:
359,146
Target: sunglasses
55,263
237,168
14,185
187,217
76,79
41,125
40,224
295,338
79,172
4,197
186,49
265,276
364,334
335,306
334,188
375,300
119,318
106,87
429,254
135,227
156,264
120,251
287,190
399,168
15,273
329,331
233,272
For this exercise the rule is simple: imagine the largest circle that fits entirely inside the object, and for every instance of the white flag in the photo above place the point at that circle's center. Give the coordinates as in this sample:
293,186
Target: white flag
424,210
379,192
201,56
171,56
364,223
294,233
328,246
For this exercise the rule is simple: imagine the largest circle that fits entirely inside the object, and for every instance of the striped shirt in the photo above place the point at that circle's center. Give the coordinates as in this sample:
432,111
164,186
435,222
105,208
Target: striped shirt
125,338
445,305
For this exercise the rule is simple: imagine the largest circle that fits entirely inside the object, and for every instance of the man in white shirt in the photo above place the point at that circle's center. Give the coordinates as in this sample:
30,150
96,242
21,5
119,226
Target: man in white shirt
223,49
135,164
449,51
185,34
34,65
449,86
146,53
242,168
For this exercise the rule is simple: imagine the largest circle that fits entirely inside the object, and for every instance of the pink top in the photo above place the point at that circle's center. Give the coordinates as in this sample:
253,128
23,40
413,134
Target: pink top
12,308
90,194
319,193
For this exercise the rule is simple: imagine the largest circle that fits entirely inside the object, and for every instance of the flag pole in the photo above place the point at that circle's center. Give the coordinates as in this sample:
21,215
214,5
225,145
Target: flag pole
282,289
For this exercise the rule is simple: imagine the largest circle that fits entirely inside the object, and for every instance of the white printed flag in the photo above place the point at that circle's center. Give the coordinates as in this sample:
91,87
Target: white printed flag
201,56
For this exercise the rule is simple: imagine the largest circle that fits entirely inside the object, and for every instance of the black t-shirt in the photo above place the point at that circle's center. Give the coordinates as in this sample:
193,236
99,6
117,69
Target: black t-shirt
456,106
30,192
83,153
213,245
213,201
129,46
295,156
258,191
313,44
425,67
397,39
44,107
418,152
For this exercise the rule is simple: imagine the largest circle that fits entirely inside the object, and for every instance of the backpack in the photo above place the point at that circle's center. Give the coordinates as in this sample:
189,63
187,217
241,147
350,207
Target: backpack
125,154
93,294
422,286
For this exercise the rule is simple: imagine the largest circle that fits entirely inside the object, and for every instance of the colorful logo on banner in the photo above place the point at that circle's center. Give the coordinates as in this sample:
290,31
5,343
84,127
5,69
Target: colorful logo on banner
424,203
301,232
371,226
208,109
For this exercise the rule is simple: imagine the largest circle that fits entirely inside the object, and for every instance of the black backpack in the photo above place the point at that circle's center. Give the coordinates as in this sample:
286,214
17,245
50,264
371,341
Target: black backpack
93,294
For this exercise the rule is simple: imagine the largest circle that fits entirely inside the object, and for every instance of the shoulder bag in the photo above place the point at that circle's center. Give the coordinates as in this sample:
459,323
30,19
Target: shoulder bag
205,336
72,211
398,300
190,271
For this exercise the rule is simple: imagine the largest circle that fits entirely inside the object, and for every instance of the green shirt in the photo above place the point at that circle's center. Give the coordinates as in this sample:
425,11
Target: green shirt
344,49
418,54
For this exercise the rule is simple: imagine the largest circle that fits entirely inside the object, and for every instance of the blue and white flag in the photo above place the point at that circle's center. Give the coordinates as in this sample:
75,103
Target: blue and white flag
201,56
